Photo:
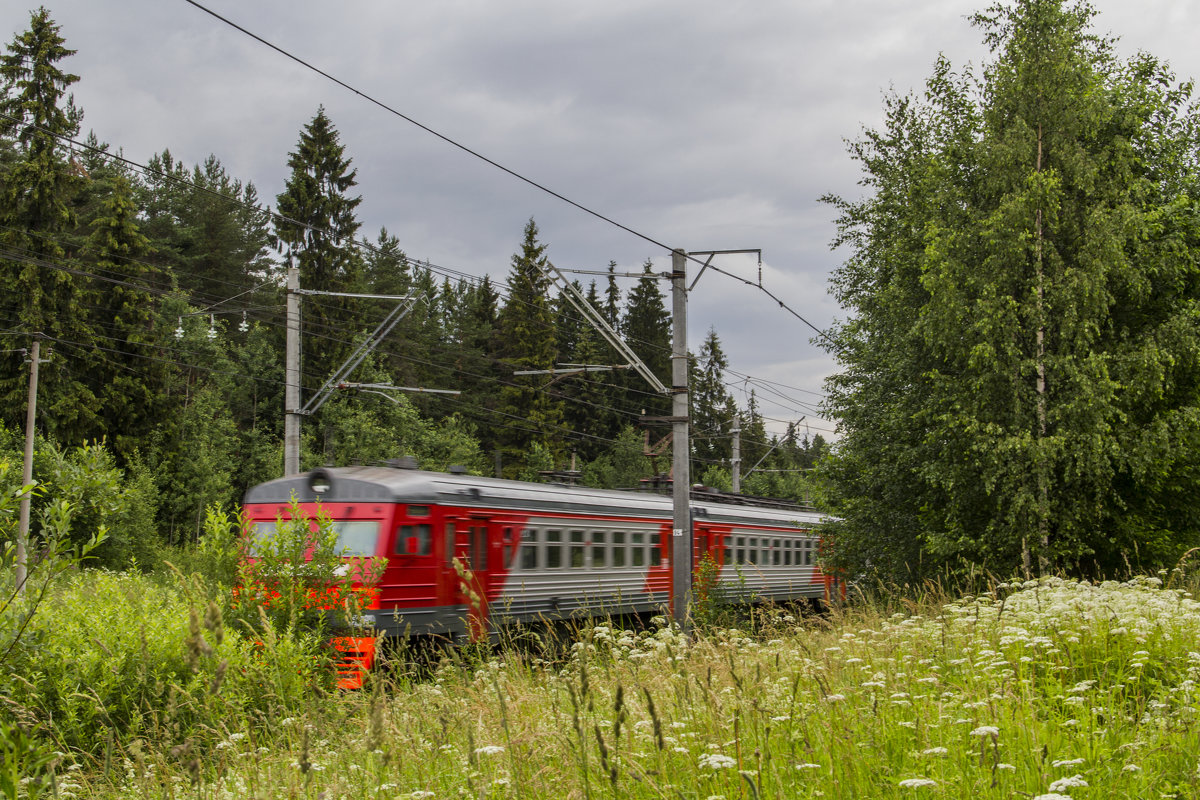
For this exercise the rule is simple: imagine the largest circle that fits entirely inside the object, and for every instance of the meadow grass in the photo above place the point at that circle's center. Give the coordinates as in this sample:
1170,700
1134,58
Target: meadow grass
1045,689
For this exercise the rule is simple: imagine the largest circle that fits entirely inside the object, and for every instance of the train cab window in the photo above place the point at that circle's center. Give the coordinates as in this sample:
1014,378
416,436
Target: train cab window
418,511
356,537
554,550
618,549
655,551
414,540
262,533
638,552
449,543
529,550
578,540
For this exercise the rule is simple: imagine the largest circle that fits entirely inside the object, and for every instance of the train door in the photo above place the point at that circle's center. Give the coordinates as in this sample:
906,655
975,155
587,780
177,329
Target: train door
473,554
702,544
411,577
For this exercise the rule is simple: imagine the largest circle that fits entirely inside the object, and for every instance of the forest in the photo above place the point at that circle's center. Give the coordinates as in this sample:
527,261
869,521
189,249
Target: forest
157,292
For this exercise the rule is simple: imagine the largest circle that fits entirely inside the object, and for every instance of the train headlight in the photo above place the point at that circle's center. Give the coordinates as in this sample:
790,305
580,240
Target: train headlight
320,482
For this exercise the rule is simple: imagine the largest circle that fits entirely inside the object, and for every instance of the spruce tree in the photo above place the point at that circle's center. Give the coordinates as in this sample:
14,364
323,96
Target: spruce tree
528,412
713,408
646,326
318,230
130,376
38,291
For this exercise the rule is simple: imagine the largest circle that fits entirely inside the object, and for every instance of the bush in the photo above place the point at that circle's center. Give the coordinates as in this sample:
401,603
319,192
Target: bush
114,656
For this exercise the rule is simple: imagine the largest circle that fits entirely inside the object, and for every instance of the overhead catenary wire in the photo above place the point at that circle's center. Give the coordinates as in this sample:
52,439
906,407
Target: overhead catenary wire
364,244
447,272
476,154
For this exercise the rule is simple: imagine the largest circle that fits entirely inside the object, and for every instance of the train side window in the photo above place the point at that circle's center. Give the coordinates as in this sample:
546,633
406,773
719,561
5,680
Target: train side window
739,551
776,552
655,551
510,548
787,553
639,550
727,553
553,549
599,549
448,542
418,511
752,550
807,553
618,550
577,550
529,550
414,540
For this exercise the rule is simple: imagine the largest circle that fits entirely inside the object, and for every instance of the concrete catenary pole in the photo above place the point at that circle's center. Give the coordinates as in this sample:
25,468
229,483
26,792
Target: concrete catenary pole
291,399
681,538
735,463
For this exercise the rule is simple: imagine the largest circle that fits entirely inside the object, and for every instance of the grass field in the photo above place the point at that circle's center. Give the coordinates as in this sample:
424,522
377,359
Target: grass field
1038,690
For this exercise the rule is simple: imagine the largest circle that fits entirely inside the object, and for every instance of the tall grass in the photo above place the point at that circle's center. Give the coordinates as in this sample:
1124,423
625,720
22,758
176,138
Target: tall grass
1038,689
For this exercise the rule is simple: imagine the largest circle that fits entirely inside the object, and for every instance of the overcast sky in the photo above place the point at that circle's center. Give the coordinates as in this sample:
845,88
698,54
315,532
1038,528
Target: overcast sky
702,125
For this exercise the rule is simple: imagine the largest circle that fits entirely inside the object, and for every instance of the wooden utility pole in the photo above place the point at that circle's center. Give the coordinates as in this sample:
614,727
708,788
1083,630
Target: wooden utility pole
22,571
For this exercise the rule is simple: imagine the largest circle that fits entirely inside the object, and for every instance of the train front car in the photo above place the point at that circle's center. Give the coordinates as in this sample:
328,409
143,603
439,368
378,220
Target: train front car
384,513
466,554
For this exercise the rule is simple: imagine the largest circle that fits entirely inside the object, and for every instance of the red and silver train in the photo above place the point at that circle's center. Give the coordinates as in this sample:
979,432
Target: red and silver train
536,551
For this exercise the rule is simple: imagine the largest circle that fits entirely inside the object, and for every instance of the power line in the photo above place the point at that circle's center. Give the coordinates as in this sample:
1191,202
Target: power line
485,159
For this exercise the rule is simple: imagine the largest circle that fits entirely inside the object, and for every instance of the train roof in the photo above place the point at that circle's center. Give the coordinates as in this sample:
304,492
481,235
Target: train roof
397,485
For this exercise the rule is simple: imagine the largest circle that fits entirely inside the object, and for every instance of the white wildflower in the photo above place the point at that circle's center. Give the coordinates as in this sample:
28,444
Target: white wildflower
935,751
986,730
717,761
916,783
1075,781
489,750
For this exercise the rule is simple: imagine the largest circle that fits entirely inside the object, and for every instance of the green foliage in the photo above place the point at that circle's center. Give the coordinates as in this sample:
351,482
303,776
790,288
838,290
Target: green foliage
99,497
1019,372
527,335
321,238
713,408
622,466
291,573
26,764
121,656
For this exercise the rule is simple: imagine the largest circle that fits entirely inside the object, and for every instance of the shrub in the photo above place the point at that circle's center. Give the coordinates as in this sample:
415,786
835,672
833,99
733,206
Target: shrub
114,656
